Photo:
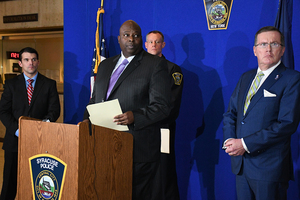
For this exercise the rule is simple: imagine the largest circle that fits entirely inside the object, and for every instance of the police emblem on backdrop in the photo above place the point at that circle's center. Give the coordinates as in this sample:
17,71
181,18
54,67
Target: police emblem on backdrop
217,13
177,78
47,176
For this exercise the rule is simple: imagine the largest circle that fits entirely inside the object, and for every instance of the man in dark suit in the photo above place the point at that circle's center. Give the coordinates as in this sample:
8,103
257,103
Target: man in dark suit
144,96
263,113
166,177
15,102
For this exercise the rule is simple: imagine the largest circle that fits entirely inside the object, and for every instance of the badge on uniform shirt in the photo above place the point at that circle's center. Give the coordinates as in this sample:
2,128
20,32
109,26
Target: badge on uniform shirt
177,78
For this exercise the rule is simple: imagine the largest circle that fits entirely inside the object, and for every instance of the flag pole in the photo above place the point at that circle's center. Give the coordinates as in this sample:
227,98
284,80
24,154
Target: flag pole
99,49
98,57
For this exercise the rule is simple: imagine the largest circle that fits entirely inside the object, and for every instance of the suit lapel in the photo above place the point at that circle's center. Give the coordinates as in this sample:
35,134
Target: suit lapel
245,86
273,77
131,67
23,91
107,74
268,83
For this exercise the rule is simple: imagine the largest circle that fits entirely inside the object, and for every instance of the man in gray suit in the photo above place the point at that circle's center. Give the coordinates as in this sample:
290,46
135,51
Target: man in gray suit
144,96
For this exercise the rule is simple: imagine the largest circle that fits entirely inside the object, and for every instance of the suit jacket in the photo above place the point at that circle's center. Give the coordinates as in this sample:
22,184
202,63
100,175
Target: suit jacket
267,125
14,104
143,89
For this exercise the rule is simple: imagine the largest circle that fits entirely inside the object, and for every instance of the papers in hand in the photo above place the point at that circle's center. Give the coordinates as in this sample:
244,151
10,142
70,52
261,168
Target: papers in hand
102,114
165,140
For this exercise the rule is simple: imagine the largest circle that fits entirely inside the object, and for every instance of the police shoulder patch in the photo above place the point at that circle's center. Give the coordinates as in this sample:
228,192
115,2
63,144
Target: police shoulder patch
177,78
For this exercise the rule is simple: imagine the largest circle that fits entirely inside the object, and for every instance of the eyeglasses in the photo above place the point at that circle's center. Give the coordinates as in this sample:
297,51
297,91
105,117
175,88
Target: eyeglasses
265,45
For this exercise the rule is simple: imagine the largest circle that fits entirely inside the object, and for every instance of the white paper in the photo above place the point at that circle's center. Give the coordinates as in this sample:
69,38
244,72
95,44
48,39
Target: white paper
165,140
102,114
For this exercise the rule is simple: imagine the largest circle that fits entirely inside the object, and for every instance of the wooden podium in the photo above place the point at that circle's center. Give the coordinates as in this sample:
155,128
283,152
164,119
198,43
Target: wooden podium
99,166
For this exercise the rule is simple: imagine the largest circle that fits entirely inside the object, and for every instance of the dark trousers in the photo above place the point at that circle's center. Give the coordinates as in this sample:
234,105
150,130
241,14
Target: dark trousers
249,189
166,187
10,171
143,182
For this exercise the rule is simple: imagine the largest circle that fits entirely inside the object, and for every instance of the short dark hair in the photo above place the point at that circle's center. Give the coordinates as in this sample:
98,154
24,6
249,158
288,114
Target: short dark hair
267,29
155,31
28,50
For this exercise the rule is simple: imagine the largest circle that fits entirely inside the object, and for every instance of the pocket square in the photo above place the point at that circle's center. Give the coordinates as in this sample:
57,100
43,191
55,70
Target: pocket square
268,94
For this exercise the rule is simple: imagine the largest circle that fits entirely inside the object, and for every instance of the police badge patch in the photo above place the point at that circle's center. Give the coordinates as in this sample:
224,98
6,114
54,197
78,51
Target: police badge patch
47,176
217,13
177,78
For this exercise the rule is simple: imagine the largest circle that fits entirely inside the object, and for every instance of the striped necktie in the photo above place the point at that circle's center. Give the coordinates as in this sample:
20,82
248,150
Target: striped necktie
253,90
30,90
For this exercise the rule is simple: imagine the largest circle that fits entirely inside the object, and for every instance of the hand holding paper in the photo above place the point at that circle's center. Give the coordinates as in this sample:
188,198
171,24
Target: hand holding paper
125,118
102,114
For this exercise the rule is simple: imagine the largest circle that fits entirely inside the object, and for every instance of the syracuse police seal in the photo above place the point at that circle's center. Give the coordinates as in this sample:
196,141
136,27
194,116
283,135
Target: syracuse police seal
47,176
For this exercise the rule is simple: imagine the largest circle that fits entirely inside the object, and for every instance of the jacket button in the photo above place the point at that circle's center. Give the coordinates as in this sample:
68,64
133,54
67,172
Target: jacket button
242,122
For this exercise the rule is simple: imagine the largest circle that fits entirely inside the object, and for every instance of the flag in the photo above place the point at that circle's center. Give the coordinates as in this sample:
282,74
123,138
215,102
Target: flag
100,48
284,23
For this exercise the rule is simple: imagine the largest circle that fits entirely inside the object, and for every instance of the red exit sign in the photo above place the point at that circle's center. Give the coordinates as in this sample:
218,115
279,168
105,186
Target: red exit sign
12,55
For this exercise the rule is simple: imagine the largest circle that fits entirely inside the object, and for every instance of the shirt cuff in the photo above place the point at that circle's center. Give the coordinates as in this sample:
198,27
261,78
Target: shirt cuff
244,145
17,133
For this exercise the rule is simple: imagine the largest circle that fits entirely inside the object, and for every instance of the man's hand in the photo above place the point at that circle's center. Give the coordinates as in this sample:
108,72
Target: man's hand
234,147
124,119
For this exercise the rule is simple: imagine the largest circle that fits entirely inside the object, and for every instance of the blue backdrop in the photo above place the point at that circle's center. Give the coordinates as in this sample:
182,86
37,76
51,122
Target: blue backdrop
211,61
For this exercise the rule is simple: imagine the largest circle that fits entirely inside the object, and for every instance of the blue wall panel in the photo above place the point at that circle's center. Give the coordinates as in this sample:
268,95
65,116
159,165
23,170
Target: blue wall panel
211,61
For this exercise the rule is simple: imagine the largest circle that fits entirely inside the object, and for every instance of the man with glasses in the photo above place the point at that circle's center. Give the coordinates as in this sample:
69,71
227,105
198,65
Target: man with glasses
262,115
